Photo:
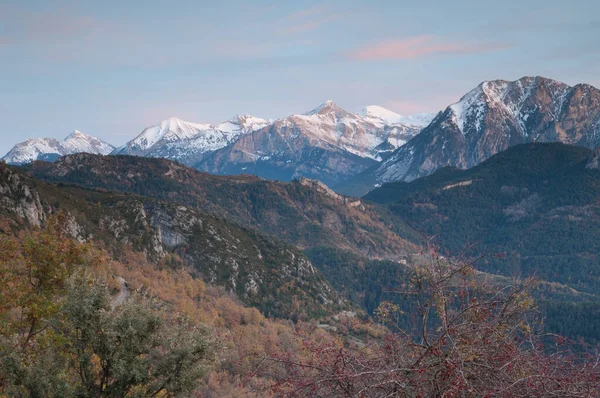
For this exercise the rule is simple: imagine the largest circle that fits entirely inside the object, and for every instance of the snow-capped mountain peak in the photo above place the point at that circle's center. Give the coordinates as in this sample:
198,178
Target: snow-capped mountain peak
51,148
79,142
379,113
381,117
174,124
77,134
169,130
325,108
492,117
514,100
242,124
188,142
327,143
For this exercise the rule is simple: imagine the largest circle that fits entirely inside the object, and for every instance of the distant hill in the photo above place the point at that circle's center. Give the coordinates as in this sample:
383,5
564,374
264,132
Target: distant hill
261,271
537,203
304,212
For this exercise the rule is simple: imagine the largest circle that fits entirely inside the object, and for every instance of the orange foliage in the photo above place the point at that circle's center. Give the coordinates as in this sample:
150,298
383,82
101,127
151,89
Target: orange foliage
244,335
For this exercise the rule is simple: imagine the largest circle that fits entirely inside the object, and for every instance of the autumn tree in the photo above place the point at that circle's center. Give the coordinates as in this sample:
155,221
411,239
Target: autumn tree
62,334
470,336
34,268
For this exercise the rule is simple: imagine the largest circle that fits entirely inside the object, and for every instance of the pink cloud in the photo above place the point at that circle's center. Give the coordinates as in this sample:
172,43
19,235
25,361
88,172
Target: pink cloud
23,26
5,41
420,46
40,26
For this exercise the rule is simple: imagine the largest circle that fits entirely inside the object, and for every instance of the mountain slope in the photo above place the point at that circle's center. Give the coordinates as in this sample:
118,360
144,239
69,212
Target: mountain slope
50,148
537,203
489,119
187,142
327,143
342,236
305,213
262,271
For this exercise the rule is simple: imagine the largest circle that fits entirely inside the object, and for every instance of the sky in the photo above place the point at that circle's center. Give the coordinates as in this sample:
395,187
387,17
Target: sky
111,68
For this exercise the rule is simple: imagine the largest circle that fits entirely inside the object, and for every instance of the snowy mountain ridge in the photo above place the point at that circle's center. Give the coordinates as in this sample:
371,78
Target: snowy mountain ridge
487,120
511,99
370,133
188,142
51,148
327,143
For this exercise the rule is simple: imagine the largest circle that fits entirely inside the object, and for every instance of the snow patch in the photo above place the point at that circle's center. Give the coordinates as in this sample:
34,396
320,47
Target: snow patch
381,117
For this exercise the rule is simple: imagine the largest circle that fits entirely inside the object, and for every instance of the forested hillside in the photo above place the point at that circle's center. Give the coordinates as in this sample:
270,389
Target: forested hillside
305,213
536,205
260,270
341,235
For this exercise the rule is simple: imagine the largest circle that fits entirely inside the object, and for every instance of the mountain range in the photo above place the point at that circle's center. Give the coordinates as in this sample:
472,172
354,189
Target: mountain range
50,149
187,142
487,120
327,143
535,203
356,152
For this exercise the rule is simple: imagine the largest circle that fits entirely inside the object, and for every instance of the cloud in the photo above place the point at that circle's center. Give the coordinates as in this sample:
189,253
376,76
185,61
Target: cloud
419,47
310,25
317,9
309,19
5,41
59,25
23,26
251,10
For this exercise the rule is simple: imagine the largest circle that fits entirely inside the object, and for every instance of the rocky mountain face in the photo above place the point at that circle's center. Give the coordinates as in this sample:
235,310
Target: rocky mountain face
305,213
50,148
594,161
188,142
257,268
18,199
489,119
327,143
